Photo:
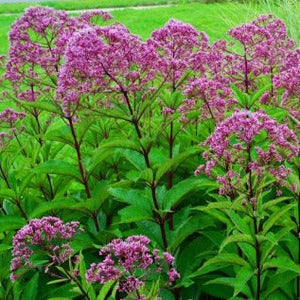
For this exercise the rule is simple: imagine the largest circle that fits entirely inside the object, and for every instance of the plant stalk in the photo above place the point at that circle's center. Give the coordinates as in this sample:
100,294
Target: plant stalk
84,180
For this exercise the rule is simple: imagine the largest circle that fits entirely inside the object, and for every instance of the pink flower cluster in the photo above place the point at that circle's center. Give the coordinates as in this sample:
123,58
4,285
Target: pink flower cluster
129,262
265,45
48,234
288,81
105,60
249,141
207,99
37,44
175,44
97,13
8,119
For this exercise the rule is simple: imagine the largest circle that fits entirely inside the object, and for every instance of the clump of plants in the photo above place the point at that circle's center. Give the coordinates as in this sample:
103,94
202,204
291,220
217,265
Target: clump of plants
158,169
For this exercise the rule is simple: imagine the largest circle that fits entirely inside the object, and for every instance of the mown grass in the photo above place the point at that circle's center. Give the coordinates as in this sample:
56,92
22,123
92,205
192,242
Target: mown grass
215,18
89,4
205,17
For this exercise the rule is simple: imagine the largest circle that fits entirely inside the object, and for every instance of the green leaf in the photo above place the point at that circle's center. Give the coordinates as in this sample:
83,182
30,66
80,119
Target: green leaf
83,127
260,92
222,205
134,214
146,175
248,252
98,157
4,247
25,182
57,204
8,223
31,288
136,159
184,229
44,106
273,203
105,290
136,198
59,298
62,134
82,271
7,193
123,144
237,238
58,167
277,281
242,277
242,97
171,164
240,223
219,215
173,196
276,216
219,262
270,241
282,263
58,281
222,280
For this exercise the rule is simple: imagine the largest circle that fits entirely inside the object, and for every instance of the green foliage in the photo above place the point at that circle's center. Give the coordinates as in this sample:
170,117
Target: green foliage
114,173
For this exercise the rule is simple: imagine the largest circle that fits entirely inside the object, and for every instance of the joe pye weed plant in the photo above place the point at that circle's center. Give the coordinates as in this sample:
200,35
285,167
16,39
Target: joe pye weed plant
166,168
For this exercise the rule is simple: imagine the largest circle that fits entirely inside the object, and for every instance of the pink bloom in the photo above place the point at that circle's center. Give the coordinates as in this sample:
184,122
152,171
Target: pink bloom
49,234
124,259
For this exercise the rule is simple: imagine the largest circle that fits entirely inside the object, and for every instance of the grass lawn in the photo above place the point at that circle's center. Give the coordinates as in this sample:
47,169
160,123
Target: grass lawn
211,18
215,19
88,4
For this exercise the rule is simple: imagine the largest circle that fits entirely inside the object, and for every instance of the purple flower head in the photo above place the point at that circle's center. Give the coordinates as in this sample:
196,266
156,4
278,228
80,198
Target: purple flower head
8,120
48,234
208,96
103,60
288,80
88,15
264,48
129,262
10,117
236,144
4,139
265,41
175,44
37,44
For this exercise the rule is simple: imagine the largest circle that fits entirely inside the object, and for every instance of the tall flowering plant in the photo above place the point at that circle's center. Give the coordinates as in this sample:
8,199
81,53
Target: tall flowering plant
102,128
128,262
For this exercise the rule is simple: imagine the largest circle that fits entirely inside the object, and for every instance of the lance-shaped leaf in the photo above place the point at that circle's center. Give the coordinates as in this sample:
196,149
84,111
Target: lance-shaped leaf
31,288
123,144
105,289
62,134
135,198
242,277
57,204
8,223
283,264
174,196
219,262
272,220
277,281
59,168
237,238
131,214
171,164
